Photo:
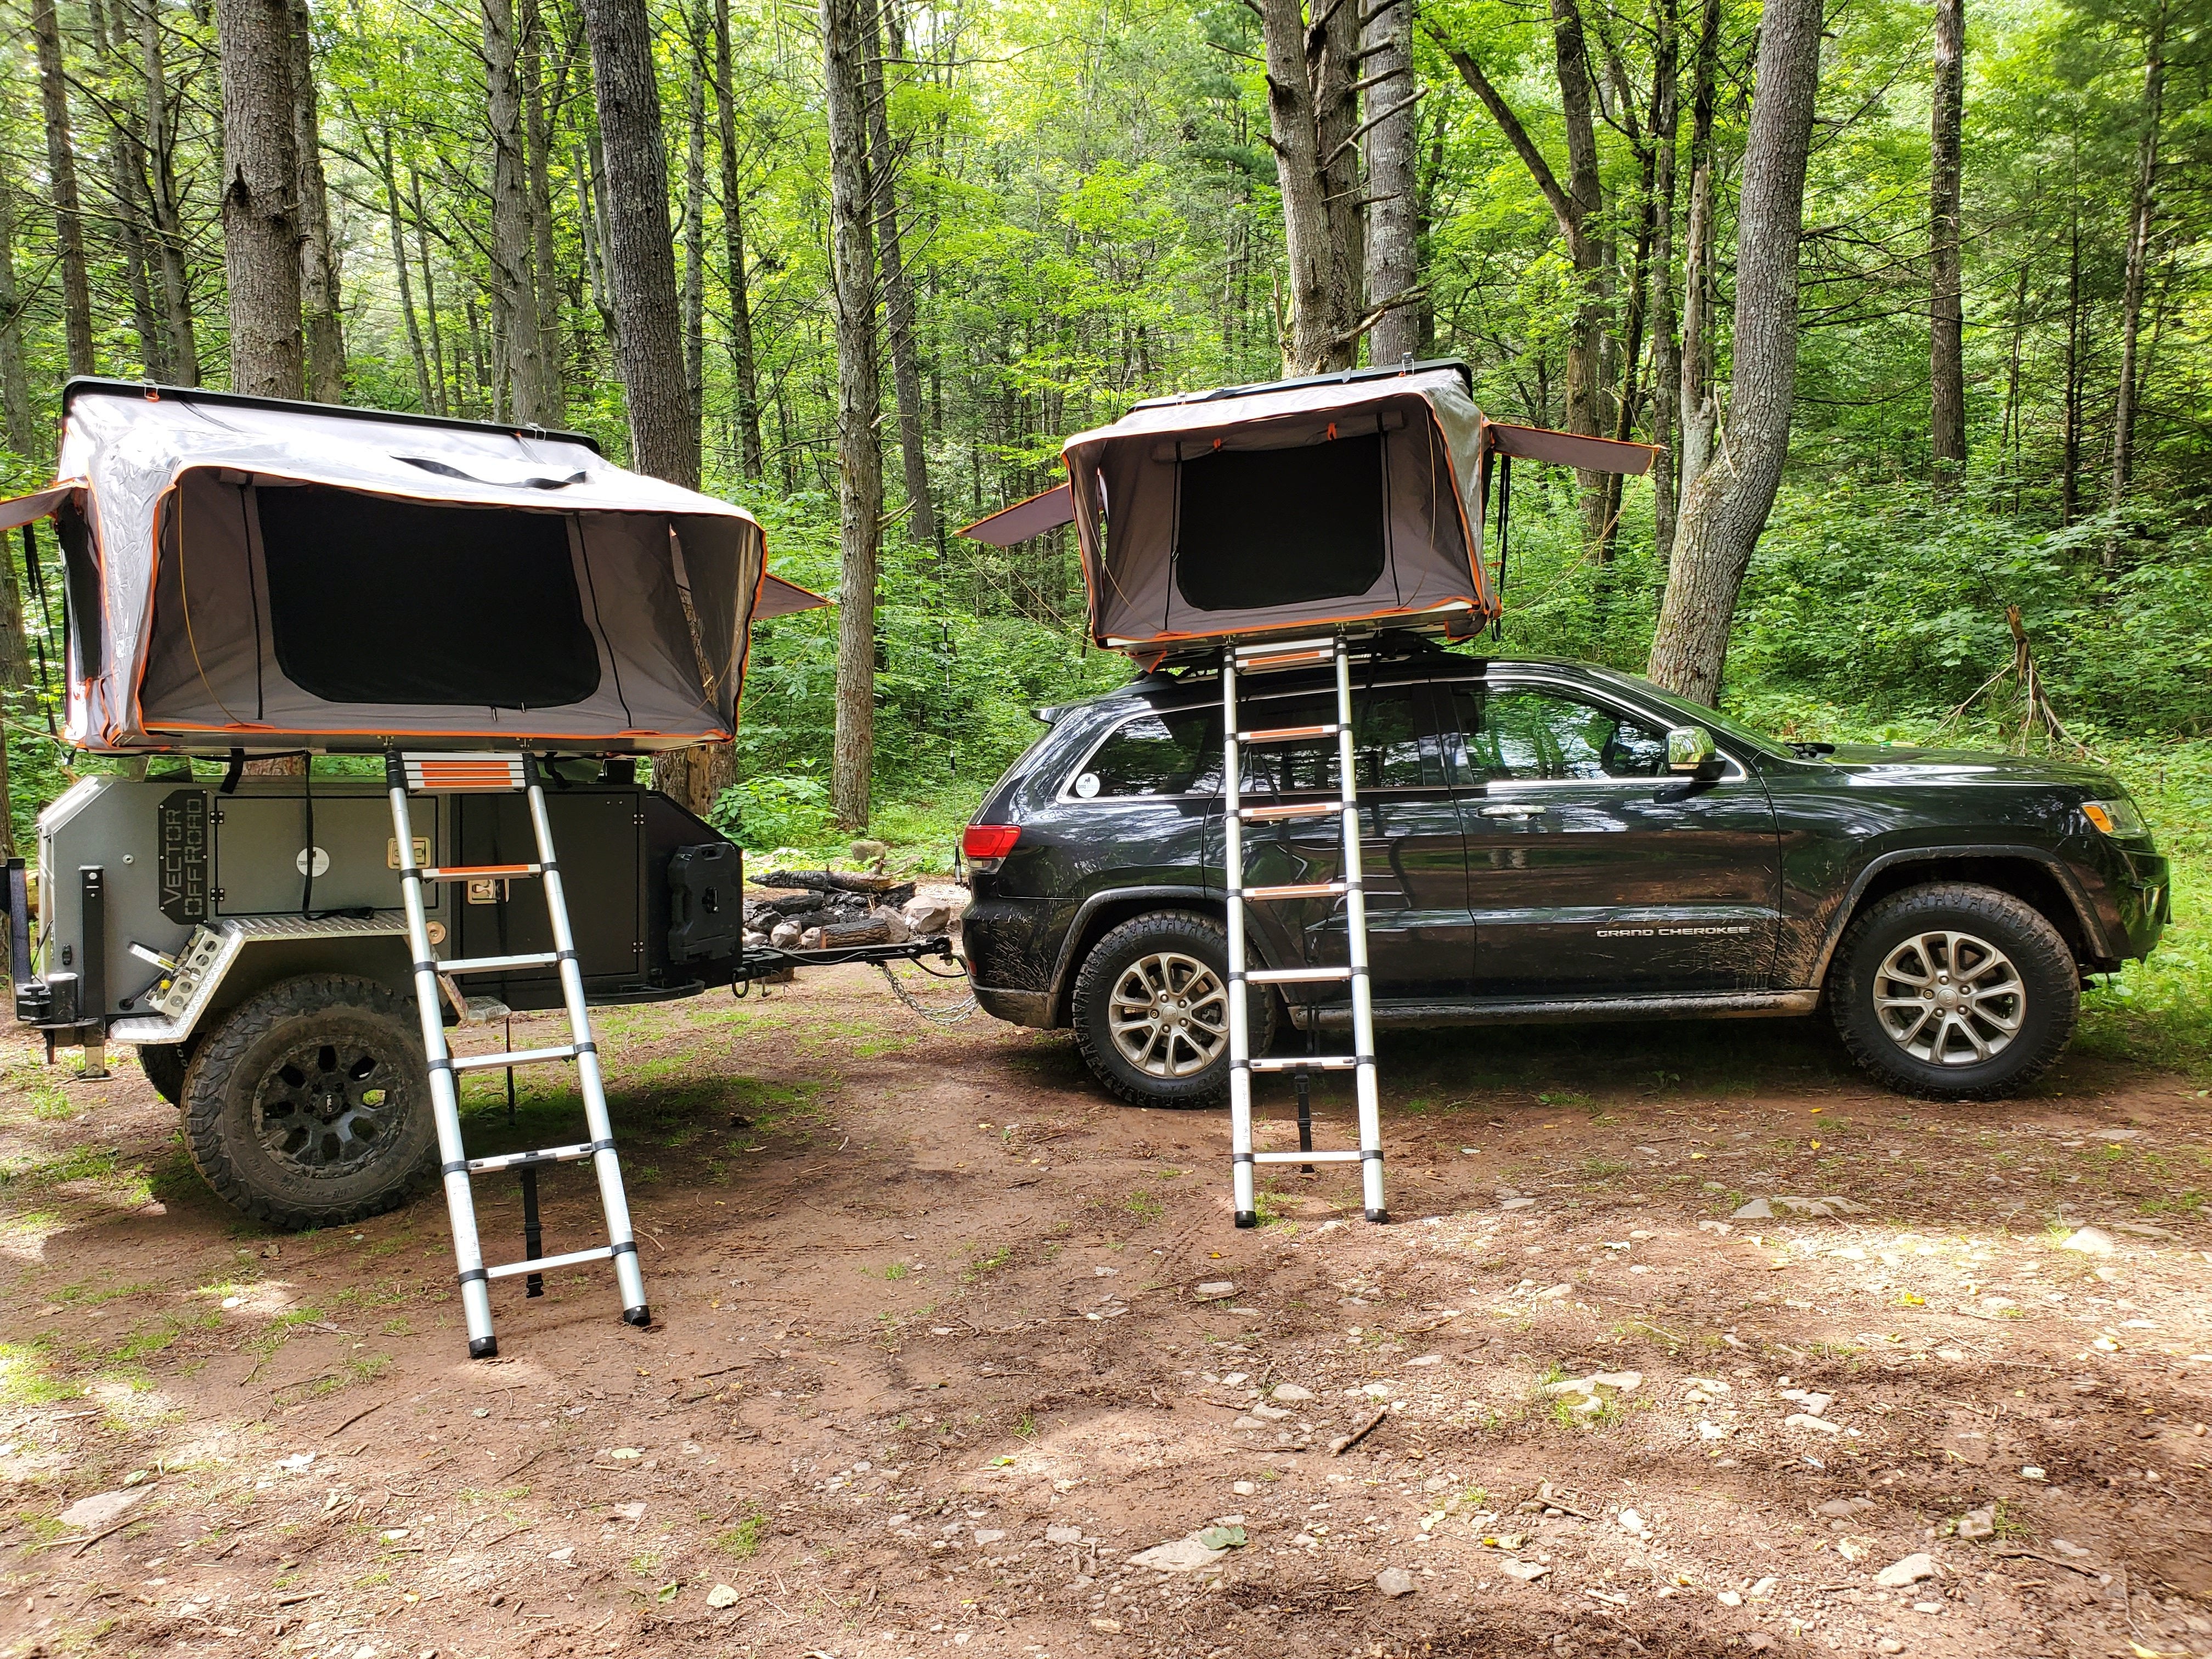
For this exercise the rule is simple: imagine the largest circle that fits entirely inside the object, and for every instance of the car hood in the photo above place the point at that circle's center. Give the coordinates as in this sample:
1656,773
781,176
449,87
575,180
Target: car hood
1883,762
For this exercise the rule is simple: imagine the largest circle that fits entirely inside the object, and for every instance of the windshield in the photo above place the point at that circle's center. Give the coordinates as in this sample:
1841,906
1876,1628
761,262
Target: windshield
1693,714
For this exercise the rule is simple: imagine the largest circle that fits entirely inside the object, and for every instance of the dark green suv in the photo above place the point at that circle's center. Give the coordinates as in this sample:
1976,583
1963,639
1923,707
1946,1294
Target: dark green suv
1548,841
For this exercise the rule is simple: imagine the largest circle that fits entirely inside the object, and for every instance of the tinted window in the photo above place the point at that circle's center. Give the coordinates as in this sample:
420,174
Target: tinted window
1255,528
1527,732
381,601
1388,751
1156,755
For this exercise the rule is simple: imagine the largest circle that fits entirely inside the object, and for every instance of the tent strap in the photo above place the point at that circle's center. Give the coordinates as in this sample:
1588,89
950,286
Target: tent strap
1504,516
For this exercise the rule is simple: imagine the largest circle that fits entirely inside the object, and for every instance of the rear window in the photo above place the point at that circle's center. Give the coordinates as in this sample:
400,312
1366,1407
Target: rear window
1155,755
372,600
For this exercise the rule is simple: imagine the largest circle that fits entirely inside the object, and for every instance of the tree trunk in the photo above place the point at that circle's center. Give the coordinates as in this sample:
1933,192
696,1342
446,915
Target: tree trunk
898,291
1724,514
742,366
319,254
2069,450
1309,77
845,39
2142,209
1696,408
1666,349
262,233
694,231
429,297
543,262
1393,192
61,182
399,265
165,203
514,282
1585,383
18,425
1946,363
641,249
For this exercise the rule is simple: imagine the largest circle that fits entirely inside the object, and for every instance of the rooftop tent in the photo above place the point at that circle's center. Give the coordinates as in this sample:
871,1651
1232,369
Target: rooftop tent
1350,498
249,573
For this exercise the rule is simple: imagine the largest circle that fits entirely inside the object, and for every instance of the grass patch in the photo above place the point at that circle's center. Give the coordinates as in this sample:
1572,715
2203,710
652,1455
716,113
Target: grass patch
743,1541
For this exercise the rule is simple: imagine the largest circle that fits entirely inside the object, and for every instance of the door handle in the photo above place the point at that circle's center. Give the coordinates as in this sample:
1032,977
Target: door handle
1510,811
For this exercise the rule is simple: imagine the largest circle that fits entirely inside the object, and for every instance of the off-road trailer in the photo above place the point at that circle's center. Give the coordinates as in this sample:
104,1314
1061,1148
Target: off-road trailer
498,624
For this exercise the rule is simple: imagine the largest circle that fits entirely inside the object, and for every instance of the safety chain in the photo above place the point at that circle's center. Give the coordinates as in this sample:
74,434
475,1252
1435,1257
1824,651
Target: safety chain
951,1016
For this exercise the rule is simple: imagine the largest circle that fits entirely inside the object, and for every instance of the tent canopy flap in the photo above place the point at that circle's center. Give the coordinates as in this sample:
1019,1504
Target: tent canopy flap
1572,449
247,574
1047,509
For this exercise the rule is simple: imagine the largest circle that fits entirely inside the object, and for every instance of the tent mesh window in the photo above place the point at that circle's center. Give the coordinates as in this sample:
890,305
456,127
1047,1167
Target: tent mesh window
1264,527
376,600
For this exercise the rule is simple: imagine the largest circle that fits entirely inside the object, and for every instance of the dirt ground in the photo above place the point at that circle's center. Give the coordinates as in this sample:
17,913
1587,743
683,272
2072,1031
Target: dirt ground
943,1337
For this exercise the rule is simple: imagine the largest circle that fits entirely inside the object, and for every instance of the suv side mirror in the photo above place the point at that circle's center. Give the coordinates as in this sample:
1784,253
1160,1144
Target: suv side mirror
1690,751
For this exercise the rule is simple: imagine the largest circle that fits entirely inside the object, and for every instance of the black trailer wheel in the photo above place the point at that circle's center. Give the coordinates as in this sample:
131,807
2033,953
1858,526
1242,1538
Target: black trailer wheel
1954,991
309,1106
164,1064
1151,1010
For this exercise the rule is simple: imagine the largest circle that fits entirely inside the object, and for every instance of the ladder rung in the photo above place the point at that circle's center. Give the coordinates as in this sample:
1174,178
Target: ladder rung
540,1263
582,1149
1308,1062
1290,733
1306,1157
463,771
480,872
519,1057
1296,975
1298,890
1259,659
1312,809
498,964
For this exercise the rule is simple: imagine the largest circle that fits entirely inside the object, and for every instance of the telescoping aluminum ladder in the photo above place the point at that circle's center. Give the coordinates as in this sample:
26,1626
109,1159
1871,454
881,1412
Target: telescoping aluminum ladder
488,774
1360,1062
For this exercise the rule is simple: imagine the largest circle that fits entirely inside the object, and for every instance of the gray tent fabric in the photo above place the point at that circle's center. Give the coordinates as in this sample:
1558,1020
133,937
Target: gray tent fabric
1348,499
778,598
248,574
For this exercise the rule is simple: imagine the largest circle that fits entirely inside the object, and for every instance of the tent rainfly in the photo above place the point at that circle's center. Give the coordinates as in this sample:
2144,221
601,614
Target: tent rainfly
247,575
1355,498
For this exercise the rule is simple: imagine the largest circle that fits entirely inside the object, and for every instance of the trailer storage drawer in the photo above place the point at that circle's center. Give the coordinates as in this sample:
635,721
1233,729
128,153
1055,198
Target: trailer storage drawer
260,856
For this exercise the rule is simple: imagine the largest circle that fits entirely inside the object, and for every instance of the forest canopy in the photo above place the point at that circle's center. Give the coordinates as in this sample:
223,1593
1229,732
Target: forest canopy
1021,215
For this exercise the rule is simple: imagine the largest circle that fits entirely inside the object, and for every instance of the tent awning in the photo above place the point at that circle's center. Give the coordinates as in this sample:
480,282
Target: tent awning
1047,509
1585,454
778,598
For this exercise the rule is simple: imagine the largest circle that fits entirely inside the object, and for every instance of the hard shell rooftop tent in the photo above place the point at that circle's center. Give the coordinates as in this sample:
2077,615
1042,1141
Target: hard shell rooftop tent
247,574
1355,498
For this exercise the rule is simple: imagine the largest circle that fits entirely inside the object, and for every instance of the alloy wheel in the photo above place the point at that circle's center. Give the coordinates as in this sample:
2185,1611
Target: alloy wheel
1169,1014
329,1108
1949,999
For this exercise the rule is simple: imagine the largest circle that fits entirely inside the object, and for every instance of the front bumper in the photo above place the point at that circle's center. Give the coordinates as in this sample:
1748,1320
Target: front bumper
2144,900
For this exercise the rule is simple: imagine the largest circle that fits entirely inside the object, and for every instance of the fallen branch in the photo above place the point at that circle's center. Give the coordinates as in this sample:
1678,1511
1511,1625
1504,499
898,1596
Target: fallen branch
1345,1443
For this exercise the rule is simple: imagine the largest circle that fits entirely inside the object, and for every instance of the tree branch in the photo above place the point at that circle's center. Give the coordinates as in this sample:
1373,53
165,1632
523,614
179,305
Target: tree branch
1370,124
1563,208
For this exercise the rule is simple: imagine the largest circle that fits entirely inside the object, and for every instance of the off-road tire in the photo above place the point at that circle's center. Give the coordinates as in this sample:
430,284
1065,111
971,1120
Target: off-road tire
1178,933
2049,980
165,1065
297,1025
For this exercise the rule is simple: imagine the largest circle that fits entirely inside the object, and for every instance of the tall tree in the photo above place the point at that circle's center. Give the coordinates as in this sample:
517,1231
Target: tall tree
845,39
394,219
2142,210
318,253
171,239
885,167
695,225
1313,129
1695,407
543,263
1725,511
744,370
531,380
1947,360
61,182
17,424
1393,191
641,248
261,229
1665,344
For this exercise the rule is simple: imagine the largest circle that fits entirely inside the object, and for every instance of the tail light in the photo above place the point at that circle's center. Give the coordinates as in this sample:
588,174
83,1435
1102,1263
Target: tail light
985,846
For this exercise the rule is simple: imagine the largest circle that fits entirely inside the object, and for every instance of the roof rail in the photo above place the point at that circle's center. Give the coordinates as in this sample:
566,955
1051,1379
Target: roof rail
78,386
1341,377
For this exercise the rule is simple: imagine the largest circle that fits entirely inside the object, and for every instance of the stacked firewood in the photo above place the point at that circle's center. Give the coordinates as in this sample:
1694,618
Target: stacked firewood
823,909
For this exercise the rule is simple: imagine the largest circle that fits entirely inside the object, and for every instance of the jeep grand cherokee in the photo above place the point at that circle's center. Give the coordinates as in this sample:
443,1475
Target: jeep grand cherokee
1530,853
